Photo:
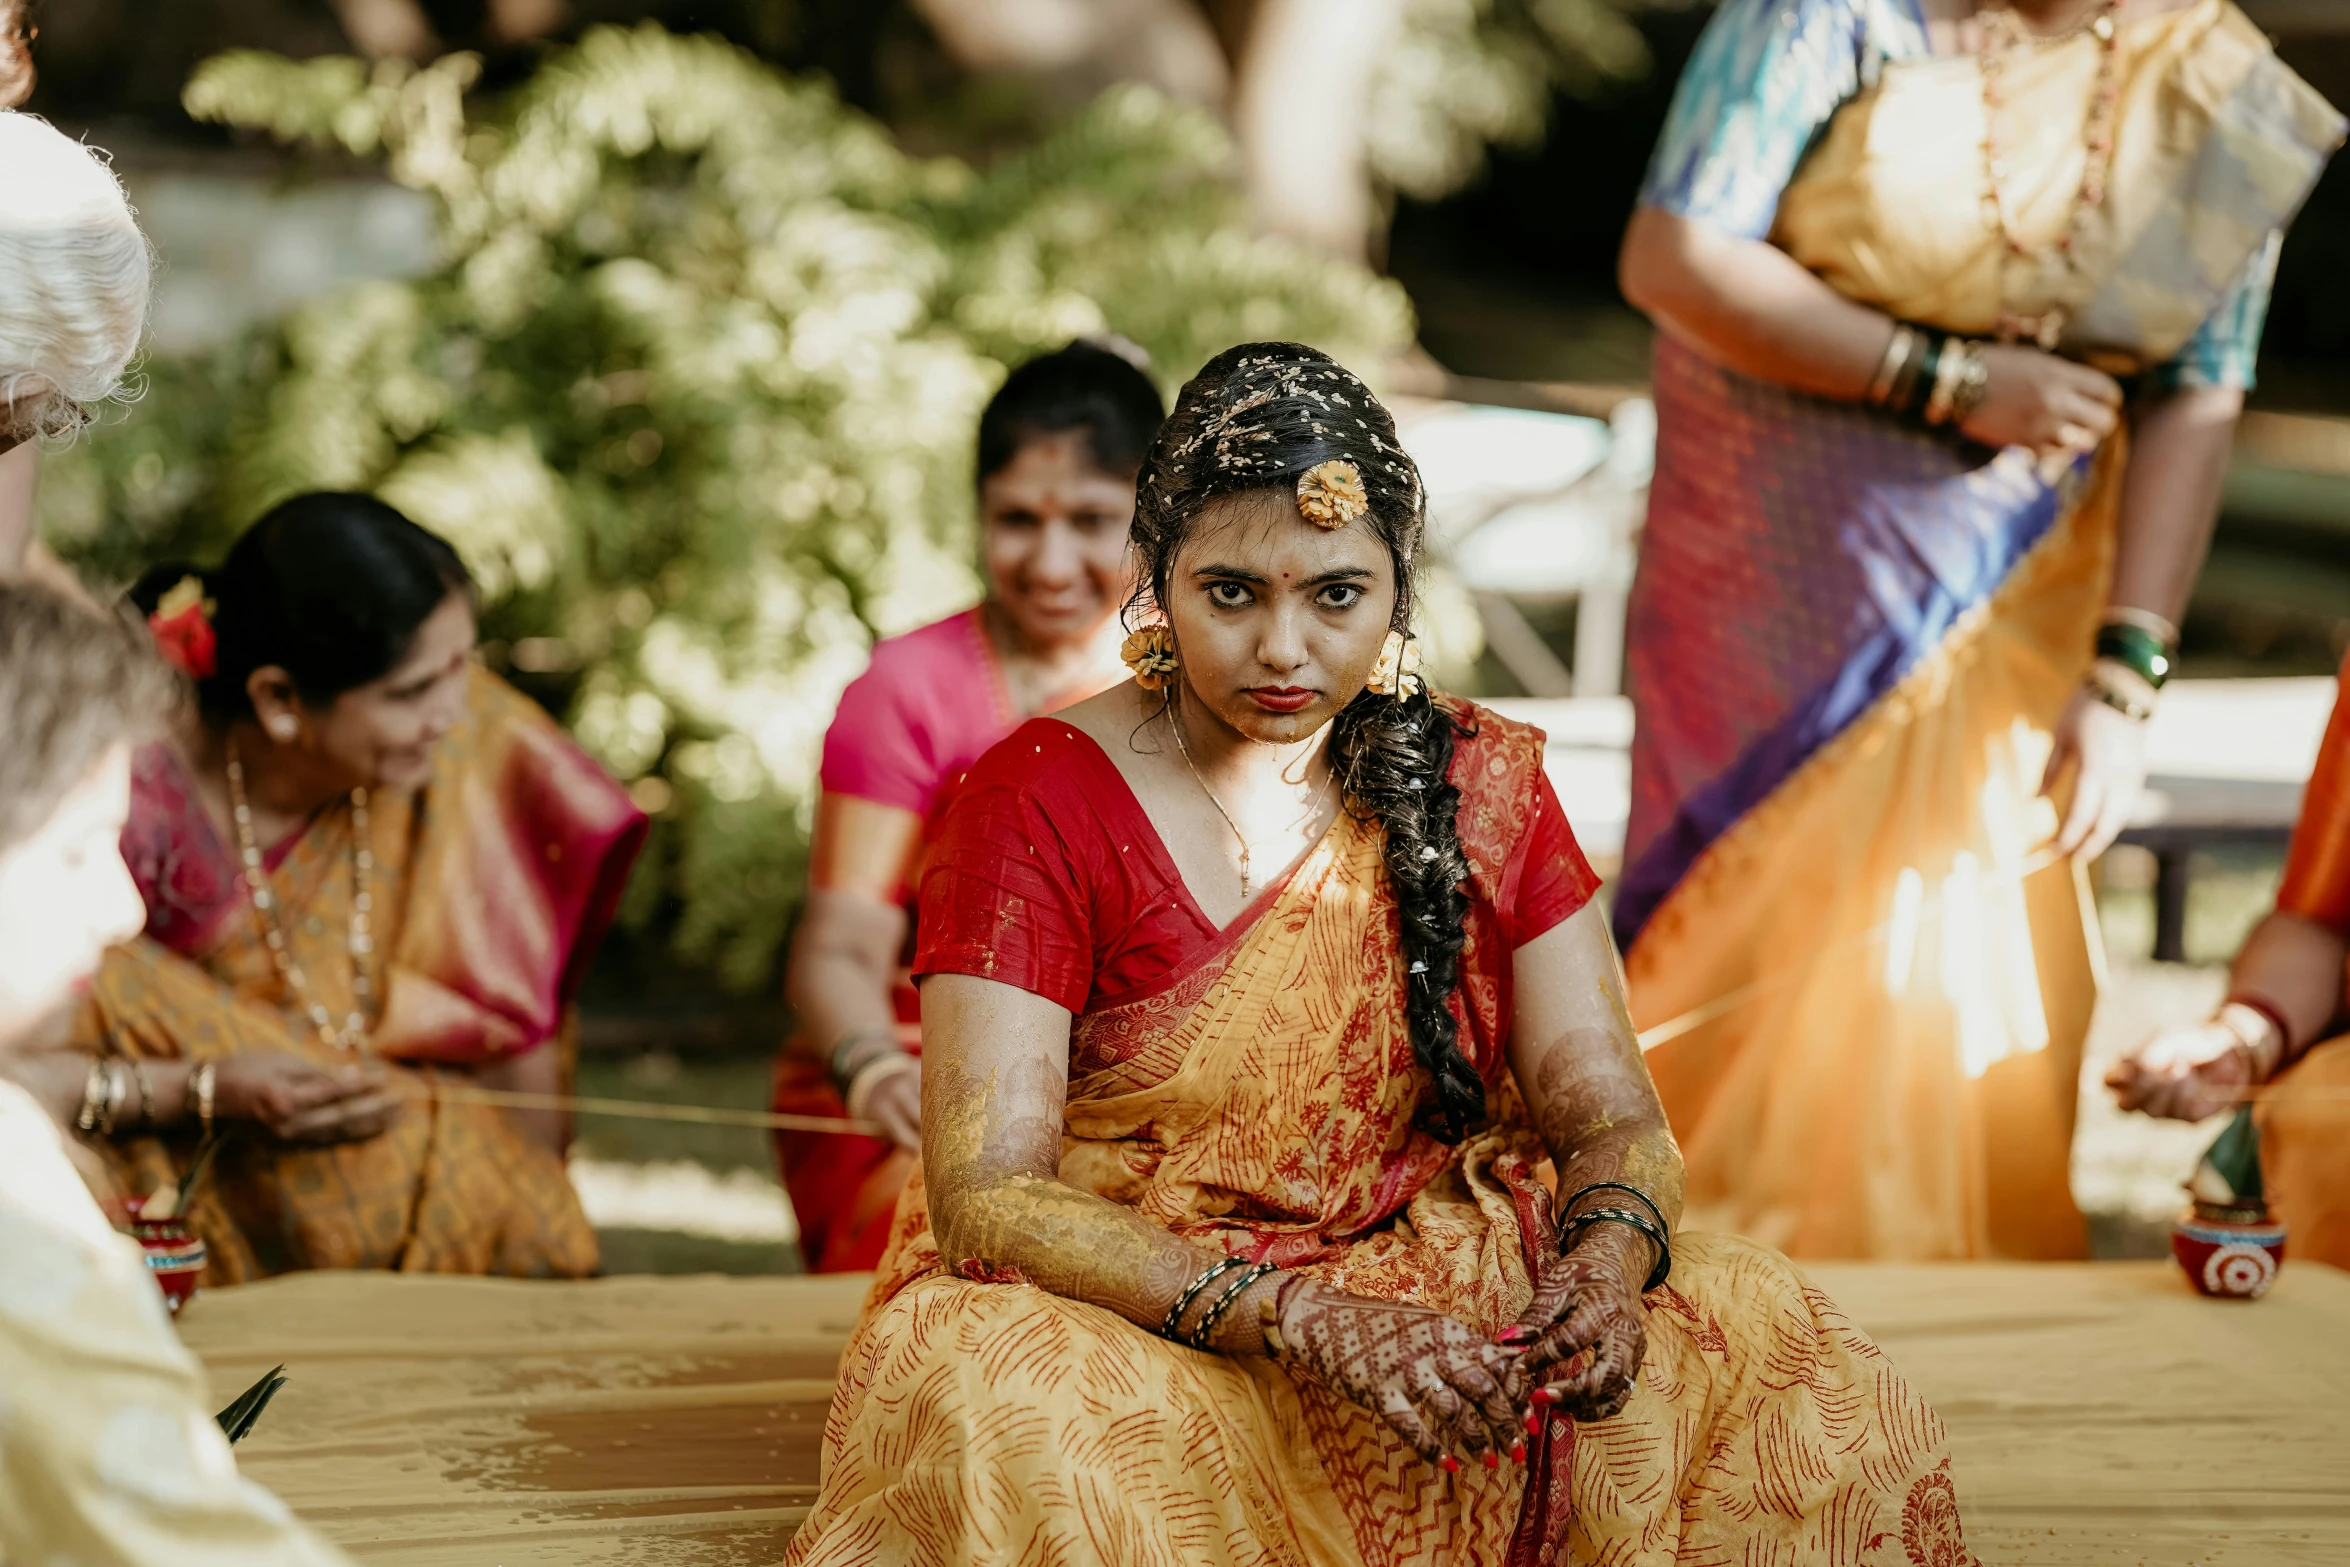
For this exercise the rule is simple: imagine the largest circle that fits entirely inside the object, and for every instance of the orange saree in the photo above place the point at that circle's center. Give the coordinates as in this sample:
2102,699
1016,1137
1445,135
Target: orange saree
2305,1113
491,888
1258,1096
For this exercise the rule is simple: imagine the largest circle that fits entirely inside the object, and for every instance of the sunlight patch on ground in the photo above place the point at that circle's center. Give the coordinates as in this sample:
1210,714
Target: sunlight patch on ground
676,1194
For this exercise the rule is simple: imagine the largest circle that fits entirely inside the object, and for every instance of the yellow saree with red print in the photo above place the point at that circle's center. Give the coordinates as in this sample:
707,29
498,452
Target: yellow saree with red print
1261,1100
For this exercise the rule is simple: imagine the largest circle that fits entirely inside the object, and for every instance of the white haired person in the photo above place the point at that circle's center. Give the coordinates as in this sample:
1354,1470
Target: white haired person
74,273
110,1457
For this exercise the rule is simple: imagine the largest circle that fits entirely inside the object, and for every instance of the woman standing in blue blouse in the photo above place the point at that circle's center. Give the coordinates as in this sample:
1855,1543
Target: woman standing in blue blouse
1959,302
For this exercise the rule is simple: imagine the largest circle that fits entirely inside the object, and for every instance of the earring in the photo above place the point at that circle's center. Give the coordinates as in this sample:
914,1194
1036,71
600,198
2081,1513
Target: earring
1398,671
1150,653
283,729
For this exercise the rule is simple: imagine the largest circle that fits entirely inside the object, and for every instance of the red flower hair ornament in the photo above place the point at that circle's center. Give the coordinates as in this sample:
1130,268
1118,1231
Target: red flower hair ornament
182,624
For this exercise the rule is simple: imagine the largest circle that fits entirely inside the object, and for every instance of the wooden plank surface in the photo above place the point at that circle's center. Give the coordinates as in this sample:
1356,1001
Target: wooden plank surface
438,1422
2102,1416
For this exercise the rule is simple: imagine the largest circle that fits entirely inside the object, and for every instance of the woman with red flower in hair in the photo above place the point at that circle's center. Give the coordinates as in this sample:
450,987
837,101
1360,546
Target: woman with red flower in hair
368,867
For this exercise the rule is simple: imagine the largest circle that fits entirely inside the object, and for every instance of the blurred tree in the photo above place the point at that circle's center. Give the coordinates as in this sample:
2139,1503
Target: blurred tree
693,390
1334,102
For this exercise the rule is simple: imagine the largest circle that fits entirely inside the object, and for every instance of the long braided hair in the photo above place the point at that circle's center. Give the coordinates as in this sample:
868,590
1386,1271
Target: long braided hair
1256,417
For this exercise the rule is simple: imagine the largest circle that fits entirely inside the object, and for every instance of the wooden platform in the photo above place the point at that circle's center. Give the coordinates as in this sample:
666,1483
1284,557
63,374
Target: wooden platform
2102,1415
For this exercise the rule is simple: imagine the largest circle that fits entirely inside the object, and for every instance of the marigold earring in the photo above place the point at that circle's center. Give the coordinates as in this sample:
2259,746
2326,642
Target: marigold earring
1150,653
1398,671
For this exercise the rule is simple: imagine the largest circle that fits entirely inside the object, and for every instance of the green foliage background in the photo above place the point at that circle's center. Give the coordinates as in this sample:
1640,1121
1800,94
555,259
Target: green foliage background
692,390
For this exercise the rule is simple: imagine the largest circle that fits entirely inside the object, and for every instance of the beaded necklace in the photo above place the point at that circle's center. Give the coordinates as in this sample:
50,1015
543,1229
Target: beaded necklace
353,1034
2005,35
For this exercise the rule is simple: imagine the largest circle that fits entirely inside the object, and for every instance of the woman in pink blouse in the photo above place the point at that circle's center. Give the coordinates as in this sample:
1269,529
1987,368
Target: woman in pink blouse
1058,450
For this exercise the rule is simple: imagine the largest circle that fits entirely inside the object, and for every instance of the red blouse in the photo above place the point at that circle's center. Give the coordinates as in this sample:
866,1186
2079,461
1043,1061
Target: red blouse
1046,874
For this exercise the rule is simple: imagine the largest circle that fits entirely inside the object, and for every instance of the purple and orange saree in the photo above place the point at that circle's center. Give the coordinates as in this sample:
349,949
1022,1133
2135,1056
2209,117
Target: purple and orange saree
492,887
1864,975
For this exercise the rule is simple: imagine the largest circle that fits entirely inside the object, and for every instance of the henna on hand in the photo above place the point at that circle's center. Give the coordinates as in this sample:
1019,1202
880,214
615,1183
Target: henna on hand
1588,1327
1444,1387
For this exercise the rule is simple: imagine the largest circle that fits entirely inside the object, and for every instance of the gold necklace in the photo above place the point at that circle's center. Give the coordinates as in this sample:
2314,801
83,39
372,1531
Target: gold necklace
2005,35
273,933
1175,723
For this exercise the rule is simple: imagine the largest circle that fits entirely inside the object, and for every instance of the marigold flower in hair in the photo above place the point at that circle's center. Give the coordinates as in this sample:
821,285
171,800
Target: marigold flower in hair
1331,494
1399,668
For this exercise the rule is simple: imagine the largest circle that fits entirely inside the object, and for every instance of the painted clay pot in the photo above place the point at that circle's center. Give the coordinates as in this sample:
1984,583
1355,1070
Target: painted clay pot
2227,1252
175,1255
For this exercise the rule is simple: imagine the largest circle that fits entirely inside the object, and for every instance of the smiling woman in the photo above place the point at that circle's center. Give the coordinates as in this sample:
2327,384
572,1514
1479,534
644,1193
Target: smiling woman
1285,1141
365,863
1057,451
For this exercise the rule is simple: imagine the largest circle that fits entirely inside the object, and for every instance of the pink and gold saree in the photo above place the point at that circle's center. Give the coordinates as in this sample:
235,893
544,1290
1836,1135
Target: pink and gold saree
491,889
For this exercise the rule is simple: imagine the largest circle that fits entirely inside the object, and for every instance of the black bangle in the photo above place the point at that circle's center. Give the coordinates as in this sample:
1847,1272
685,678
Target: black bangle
1646,1201
2136,649
1191,1293
1573,1229
1201,1334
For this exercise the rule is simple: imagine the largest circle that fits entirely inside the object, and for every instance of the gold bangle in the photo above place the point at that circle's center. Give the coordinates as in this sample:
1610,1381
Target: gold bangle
2145,620
199,1096
118,1093
1974,383
2120,687
2231,1018
93,1096
1895,360
1946,374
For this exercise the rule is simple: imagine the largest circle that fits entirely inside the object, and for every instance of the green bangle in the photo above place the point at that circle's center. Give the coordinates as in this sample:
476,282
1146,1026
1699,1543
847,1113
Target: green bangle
2136,649
1920,390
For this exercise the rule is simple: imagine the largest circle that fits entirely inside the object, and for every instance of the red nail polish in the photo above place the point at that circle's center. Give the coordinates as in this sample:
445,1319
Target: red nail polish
1544,1396
1513,1334
1450,1464
1533,1425
1492,1459
1517,1451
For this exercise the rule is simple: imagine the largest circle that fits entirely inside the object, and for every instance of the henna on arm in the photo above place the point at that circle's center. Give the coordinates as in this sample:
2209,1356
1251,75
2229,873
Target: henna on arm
1579,1067
994,1087
994,1083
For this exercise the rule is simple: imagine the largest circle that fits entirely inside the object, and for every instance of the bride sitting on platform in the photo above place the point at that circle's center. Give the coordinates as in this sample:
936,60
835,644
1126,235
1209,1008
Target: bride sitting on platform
1265,1005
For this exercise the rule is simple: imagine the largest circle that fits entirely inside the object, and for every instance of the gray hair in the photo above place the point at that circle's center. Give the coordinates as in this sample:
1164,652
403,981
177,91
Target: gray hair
75,275
73,685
